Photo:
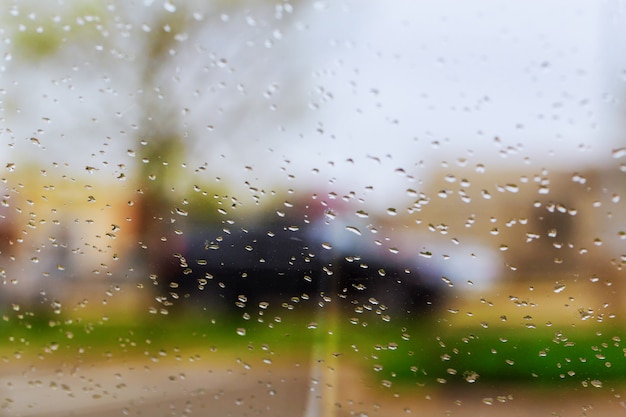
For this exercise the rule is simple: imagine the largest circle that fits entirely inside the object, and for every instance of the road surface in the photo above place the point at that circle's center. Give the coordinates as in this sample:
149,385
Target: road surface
231,387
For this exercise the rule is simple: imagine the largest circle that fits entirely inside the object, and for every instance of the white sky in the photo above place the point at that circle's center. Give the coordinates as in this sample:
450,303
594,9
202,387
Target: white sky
389,80
544,77
533,73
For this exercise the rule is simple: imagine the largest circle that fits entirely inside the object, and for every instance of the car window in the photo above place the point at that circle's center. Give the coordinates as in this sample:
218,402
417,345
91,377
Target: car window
312,208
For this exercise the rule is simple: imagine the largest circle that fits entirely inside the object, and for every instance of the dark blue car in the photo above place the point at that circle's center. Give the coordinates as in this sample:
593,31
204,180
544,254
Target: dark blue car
282,264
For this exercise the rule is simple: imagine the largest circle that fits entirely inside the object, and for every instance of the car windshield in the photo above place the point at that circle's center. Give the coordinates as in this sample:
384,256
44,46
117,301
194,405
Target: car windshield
312,208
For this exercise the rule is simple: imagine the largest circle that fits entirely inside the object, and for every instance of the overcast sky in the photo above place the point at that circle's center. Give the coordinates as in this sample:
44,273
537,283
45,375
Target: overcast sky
384,85
411,84
538,74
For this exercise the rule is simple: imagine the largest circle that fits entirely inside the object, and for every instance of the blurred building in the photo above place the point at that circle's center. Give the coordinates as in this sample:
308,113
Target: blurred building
552,228
63,240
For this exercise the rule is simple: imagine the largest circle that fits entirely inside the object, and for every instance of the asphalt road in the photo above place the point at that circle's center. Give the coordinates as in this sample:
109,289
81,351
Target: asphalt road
230,387
154,389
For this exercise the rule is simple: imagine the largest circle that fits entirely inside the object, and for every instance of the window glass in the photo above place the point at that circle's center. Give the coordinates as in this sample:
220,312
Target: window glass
312,208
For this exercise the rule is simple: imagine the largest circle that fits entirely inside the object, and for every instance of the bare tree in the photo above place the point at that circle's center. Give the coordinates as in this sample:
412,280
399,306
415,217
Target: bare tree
170,85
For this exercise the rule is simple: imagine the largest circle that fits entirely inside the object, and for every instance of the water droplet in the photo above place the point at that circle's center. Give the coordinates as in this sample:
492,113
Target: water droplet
327,246
596,382
618,153
354,230
471,376
559,287
392,211
362,214
578,178
513,188
169,7
448,281
241,331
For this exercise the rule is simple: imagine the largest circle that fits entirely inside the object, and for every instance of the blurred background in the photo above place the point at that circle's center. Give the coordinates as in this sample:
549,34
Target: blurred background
480,145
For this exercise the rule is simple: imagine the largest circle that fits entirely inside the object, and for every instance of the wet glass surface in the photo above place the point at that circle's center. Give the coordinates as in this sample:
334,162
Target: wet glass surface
312,208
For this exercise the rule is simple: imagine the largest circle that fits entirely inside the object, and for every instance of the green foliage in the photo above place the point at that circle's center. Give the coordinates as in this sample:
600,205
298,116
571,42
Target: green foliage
514,355
39,34
412,353
35,45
